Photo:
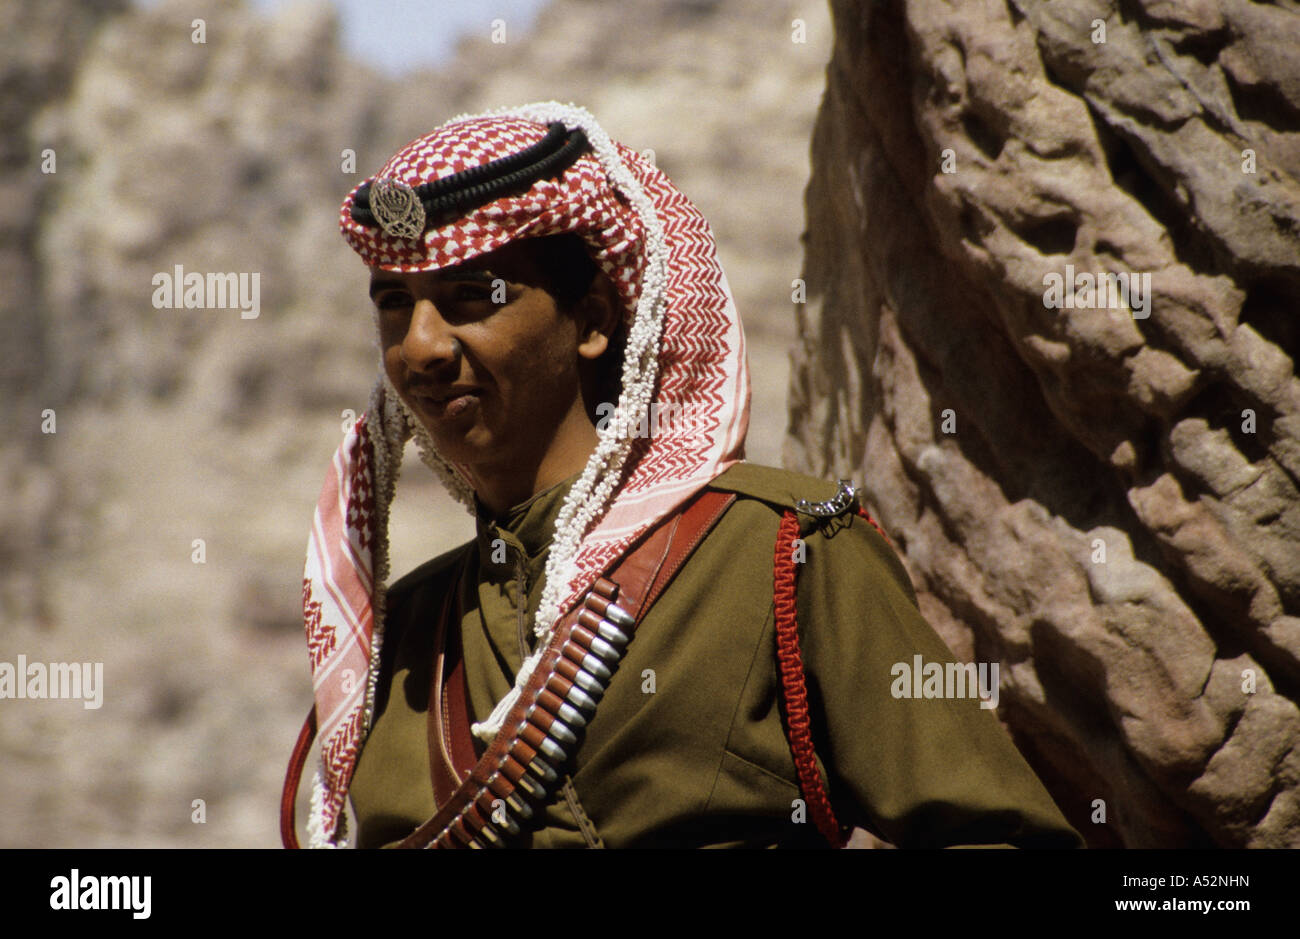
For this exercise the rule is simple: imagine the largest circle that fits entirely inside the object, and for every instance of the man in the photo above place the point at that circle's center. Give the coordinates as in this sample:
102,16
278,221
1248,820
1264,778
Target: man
650,642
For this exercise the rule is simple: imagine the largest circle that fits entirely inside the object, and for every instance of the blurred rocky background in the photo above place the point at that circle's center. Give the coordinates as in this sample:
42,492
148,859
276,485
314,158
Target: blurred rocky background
1104,502
184,435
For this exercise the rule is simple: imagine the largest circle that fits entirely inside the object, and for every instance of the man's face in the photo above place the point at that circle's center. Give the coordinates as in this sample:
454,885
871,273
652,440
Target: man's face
498,403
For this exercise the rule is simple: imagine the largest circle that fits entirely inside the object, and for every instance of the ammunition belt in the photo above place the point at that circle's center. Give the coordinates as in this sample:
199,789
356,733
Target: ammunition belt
523,767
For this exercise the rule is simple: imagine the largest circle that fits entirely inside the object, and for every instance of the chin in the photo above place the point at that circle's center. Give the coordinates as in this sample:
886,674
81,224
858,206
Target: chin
467,449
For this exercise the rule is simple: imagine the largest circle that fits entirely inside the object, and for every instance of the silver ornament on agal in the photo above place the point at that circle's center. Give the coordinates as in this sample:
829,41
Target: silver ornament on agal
397,208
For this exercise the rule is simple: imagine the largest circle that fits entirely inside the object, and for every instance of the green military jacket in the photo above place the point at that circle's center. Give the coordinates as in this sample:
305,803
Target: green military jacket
687,747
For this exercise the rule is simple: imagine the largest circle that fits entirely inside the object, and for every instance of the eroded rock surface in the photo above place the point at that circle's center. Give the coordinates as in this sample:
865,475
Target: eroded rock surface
1101,497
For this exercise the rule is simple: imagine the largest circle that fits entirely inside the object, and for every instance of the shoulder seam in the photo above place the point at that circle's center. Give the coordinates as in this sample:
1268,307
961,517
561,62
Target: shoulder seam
771,484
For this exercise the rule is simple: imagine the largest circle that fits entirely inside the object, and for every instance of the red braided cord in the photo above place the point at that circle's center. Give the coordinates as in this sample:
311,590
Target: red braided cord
863,513
289,795
792,682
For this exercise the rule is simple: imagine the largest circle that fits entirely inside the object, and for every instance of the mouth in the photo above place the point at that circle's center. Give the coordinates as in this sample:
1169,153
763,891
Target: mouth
448,403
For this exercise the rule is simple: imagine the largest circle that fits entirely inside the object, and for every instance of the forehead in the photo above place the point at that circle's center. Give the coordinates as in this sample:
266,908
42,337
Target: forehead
517,261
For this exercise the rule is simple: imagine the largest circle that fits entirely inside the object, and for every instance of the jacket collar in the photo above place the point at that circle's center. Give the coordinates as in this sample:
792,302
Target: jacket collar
527,527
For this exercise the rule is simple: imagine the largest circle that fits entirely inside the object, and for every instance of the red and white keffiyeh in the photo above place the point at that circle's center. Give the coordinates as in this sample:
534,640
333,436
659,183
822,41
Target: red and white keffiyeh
684,354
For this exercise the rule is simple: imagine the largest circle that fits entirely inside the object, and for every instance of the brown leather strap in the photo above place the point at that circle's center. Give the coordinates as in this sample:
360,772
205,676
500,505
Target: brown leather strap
443,770
455,709
636,579
691,527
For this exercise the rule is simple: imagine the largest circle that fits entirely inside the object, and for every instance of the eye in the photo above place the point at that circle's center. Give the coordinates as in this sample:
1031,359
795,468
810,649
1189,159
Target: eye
469,291
392,300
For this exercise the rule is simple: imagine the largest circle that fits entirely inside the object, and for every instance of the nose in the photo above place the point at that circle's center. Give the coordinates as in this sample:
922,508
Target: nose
430,341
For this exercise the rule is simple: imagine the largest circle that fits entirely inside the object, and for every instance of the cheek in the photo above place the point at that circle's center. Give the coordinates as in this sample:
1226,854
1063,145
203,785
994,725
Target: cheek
393,363
547,371
396,371
540,359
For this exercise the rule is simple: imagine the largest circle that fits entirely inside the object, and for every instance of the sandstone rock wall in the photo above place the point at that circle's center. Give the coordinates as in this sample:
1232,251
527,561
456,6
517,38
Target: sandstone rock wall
1103,500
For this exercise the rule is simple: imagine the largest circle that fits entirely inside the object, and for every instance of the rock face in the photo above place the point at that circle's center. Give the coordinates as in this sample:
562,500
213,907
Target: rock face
155,520
1100,495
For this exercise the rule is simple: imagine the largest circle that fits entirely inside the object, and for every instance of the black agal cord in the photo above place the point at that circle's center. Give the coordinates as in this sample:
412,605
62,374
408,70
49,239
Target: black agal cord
460,193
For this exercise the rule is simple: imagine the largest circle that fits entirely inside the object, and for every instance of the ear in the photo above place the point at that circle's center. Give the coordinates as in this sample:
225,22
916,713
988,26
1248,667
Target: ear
599,314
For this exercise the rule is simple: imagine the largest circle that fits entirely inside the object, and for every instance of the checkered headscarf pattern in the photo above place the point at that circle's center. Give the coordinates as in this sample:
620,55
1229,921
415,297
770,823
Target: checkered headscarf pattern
659,251
580,202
